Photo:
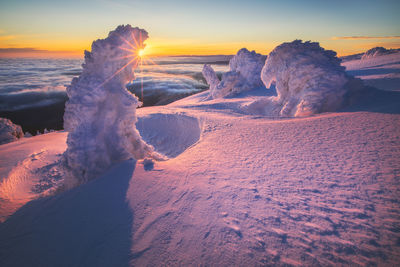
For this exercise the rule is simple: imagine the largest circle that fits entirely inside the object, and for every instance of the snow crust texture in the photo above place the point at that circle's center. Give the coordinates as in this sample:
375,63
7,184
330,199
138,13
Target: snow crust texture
100,114
308,79
9,131
245,68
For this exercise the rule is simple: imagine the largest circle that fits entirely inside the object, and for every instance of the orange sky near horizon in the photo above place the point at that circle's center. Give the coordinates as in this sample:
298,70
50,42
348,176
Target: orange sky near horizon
55,28
162,47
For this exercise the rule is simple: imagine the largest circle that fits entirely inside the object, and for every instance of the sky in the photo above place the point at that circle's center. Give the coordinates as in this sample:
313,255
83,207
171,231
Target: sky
206,27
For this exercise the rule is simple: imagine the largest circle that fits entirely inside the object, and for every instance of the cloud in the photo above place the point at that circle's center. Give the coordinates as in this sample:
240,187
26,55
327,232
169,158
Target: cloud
36,53
21,50
363,37
387,45
27,99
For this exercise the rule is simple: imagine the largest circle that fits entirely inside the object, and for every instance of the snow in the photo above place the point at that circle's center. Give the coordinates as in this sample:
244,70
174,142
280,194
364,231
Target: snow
308,78
238,189
245,68
376,52
100,114
9,131
382,72
29,168
211,77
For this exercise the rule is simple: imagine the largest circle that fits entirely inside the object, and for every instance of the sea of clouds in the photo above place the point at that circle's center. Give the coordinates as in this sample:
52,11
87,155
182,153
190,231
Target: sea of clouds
26,83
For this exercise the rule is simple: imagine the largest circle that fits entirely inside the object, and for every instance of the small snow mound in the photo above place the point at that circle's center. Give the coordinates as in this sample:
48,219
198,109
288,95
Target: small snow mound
9,131
245,68
308,79
170,134
376,52
100,114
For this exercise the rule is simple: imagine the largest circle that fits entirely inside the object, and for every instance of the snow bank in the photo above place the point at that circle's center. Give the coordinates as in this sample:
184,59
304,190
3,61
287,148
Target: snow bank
245,68
308,79
100,114
9,131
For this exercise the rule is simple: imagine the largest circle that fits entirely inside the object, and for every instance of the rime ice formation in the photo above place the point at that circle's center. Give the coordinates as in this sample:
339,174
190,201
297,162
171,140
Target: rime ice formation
210,76
9,131
309,79
245,68
374,52
100,114
249,65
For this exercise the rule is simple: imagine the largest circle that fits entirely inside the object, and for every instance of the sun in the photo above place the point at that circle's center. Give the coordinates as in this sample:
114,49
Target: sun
141,52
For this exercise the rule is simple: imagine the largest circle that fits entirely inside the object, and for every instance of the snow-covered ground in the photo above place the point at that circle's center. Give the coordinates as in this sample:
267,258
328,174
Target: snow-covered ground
237,190
382,72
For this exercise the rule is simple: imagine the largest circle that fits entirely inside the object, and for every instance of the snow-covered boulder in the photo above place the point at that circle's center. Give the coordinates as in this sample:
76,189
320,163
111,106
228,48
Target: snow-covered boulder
375,52
308,79
9,131
100,114
245,68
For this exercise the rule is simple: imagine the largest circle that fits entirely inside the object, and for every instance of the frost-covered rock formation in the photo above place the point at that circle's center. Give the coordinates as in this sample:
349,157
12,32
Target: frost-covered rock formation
9,131
245,68
100,114
308,79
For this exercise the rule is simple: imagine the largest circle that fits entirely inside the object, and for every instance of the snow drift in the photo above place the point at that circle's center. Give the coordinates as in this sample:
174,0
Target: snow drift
308,79
9,131
245,68
100,114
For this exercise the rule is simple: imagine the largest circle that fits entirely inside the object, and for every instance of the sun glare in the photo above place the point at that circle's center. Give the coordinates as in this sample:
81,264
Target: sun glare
141,53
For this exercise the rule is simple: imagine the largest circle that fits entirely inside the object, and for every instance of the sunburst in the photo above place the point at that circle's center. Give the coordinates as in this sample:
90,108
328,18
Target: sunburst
137,55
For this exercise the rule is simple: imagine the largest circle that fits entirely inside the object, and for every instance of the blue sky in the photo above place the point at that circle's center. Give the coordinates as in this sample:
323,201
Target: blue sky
210,27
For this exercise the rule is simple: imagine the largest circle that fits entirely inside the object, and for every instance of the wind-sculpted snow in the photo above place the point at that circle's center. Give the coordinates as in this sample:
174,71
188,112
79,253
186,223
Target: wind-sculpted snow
9,131
308,79
244,74
100,114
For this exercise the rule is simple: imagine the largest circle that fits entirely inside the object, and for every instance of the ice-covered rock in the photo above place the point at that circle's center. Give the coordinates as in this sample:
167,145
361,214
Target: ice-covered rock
9,131
100,114
245,68
308,79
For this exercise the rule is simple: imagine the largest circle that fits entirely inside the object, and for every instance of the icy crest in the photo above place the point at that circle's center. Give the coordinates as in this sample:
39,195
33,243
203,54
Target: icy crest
100,114
9,131
245,68
308,79
375,52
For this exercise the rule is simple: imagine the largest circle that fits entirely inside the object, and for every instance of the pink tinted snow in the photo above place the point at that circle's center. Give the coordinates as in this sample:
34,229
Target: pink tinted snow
238,190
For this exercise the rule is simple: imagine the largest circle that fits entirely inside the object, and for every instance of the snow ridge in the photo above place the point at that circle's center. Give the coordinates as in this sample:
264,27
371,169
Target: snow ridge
100,114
